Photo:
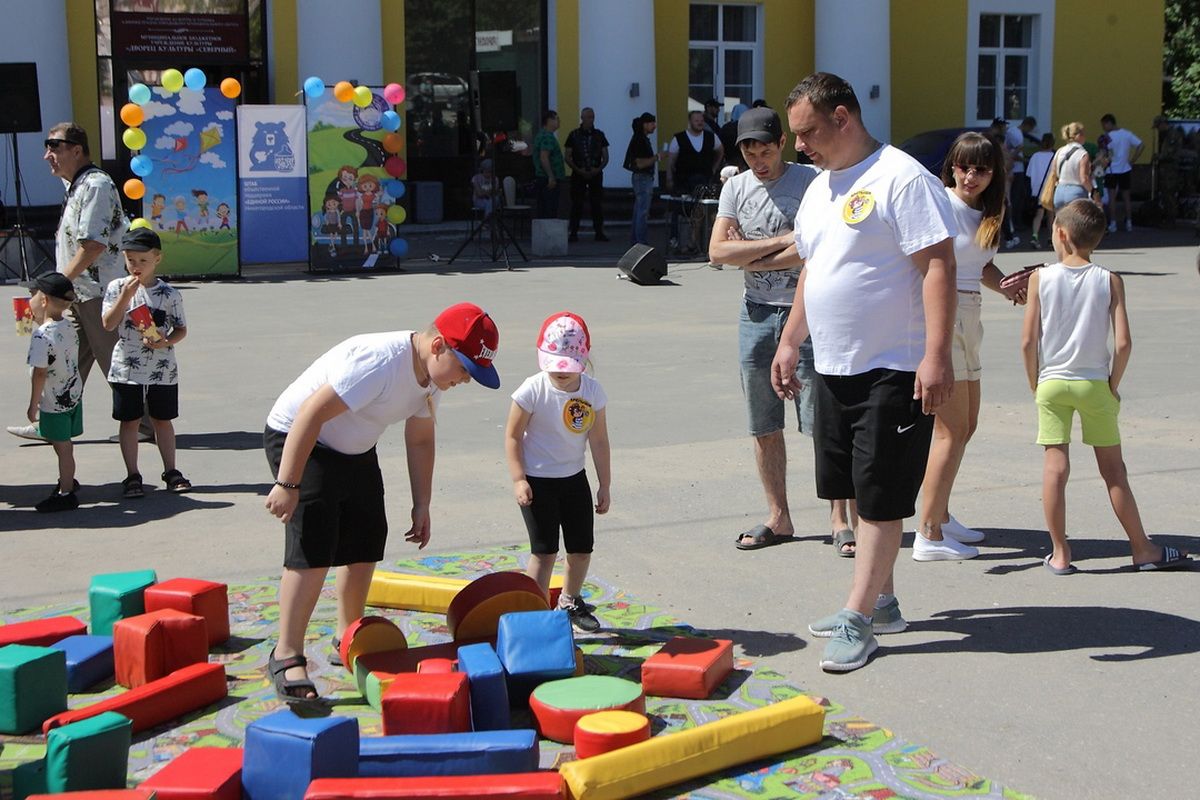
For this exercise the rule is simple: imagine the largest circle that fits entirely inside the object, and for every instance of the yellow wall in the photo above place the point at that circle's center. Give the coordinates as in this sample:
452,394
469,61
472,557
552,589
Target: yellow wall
929,66
391,27
285,78
85,87
566,64
1108,61
671,65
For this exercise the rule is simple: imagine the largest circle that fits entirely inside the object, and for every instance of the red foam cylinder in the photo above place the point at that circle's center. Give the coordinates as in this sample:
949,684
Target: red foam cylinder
41,632
427,703
516,786
151,646
594,739
408,659
687,667
159,701
201,773
192,596
430,666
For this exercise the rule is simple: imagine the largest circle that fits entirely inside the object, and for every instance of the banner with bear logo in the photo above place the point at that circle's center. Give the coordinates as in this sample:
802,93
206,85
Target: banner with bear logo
273,180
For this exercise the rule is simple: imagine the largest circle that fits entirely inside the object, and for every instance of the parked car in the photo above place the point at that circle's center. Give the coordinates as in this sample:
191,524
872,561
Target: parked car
931,147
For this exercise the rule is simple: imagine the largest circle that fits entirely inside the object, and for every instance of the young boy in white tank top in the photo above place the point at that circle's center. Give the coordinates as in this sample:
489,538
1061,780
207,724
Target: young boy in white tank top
1071,308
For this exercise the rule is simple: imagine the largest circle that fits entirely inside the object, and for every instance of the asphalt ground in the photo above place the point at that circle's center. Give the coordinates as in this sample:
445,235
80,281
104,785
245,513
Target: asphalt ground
1080,686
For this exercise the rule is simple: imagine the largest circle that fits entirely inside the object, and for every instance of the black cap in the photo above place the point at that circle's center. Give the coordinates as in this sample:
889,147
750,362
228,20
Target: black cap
999,122
140,240
712,101
55,284
761,125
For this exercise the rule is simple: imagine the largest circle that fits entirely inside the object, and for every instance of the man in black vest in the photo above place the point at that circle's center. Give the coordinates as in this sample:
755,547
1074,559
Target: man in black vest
587,156
694,156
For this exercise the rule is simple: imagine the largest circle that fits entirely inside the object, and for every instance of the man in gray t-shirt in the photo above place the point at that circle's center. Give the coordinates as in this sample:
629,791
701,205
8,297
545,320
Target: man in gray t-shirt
753,231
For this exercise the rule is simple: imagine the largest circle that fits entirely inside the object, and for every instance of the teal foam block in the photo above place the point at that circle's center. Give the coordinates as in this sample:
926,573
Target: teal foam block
117,595
33,687
85,755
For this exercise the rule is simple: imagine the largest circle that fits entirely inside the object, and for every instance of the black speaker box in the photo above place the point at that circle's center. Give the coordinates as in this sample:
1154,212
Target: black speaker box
499,101
643,265
20,107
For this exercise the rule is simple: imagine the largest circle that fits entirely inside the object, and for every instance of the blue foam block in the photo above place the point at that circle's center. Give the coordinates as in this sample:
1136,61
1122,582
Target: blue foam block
491,753
89,660
489,693
534,647
284,753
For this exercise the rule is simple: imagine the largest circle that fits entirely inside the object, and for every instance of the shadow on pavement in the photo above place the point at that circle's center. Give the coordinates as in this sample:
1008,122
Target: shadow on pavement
101,507
227,440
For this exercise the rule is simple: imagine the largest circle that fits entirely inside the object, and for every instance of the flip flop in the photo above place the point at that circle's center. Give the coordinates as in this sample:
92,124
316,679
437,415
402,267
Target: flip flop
760,536
290,691
842,538
1069,569
1172,558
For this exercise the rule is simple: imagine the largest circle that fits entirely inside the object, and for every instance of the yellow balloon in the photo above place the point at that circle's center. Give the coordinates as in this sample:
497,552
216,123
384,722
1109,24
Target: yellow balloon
134,189
134,138
362,96
140,222
172,80
343,92
396,215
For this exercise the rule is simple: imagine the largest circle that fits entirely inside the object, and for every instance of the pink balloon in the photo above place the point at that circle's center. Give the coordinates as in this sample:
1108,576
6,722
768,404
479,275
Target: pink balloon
393,93
395,166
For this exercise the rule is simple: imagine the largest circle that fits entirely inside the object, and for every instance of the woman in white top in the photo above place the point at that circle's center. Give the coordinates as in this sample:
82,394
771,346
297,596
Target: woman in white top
1073,165
974,177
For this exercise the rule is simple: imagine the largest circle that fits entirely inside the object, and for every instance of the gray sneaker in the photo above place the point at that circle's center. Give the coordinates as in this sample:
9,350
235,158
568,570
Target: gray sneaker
885,620
26,432
851,644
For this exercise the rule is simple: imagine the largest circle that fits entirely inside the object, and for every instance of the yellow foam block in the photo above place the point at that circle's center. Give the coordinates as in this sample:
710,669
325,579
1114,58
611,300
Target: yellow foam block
483,620
413,592
688,754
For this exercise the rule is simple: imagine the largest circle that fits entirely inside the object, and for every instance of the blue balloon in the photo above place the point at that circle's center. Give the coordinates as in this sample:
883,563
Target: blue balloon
391,121
314,87
139,93
194,79
394,188
141,165
398,248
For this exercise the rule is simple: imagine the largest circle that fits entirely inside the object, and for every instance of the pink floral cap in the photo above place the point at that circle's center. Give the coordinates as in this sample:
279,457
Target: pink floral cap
563,343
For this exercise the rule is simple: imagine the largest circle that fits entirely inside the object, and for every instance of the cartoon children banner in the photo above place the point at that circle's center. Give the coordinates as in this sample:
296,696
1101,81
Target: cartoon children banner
191,194
354,167
273,184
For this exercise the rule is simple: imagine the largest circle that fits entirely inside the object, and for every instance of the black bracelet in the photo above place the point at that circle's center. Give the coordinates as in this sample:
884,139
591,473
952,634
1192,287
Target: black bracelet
287,485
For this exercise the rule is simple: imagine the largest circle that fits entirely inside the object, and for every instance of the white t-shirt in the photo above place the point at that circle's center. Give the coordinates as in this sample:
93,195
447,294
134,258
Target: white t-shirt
1014,142
132,361
55,348
555,442
697,140
1039,164
373,375
857,228
968,255
1121,144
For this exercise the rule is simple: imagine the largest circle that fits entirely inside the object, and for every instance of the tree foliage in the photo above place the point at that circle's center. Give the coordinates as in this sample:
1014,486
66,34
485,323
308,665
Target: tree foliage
1181,59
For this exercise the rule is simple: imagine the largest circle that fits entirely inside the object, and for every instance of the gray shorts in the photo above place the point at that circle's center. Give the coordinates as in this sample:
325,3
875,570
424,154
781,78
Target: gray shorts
759,329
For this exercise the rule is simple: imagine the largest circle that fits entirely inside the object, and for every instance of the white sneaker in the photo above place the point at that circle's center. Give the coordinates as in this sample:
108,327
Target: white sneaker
26,432
945,550
960,532
1112,226
1129,225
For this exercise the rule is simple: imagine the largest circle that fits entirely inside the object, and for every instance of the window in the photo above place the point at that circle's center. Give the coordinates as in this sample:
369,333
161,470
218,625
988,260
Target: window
724,54
1009,59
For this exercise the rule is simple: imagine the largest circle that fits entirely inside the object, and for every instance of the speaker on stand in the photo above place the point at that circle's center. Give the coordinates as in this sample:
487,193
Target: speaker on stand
20,112
643,265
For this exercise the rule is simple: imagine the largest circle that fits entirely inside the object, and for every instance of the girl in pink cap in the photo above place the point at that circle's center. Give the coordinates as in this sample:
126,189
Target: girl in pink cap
555,415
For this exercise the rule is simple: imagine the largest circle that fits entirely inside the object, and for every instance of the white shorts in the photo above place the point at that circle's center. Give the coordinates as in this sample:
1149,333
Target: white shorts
968,337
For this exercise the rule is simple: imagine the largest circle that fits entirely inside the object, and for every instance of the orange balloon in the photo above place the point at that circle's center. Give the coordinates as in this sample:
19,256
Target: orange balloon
343,91
231,88
393,142
132,114
134,189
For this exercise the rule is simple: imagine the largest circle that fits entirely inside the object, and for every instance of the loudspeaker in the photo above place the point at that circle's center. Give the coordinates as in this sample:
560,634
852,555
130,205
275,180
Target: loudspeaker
643,265
499,101
20,107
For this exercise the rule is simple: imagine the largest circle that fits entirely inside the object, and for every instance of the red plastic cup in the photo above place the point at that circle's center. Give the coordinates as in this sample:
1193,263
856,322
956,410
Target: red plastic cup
23,315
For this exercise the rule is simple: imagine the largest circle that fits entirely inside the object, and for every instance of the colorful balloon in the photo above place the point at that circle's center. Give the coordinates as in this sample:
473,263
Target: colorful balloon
172,80
396,214
394,188
195,79
343,92
139,93
140,222
393,93
363,96
131,114
314,87
134,138
393,142
395,166
390,120
141,166
398,247
134,189
231,88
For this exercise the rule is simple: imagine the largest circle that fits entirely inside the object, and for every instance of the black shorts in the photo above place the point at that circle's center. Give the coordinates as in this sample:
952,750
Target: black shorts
560,502
340,517
131,400
1118,181
871,442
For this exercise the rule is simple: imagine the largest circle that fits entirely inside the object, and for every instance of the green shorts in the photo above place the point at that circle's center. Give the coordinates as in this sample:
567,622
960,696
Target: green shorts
61,426
1057,402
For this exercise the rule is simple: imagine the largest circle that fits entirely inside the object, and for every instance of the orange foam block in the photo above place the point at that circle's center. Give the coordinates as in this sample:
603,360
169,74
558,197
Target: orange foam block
151,646
688,667
515,786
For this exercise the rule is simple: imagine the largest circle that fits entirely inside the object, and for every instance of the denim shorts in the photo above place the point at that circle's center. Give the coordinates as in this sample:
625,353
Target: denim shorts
759,329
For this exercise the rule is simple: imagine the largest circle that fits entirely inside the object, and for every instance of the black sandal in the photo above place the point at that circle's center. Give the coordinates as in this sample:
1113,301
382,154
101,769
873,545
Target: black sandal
335,658
290,690
176,482
132,486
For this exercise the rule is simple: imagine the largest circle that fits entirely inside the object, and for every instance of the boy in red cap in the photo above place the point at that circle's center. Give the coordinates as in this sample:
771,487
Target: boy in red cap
320,443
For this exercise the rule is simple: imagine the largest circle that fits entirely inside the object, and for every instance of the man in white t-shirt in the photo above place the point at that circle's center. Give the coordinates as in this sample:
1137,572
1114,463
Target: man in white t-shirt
320,443
1124,148
877,292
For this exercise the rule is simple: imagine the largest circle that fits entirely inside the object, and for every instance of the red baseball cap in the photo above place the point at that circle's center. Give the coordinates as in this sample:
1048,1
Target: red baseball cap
473,337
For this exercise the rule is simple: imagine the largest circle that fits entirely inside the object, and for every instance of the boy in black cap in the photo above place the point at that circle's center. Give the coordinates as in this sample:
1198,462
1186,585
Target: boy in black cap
55,400
147,314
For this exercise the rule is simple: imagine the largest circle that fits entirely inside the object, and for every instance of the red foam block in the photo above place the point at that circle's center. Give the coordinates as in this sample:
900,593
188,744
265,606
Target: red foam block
151,646
193,596
428,702
159,701
41,632
687,667
438,665
96,794
201,773
519,786
409,658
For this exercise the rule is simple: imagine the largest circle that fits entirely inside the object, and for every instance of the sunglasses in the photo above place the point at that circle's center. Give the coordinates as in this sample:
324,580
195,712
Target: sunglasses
967,170
54,144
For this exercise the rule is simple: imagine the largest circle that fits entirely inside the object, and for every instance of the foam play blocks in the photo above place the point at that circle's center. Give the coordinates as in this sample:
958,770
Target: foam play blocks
41,632
205,599
413,592
89,660
150,646
534,647
475,611
429,665
89,754
605,731
427,703
688,667
492,752
688,754
368,635
154,703
489,691
199,773
284,753
117,595
523,786
558,705
33,686
98,794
